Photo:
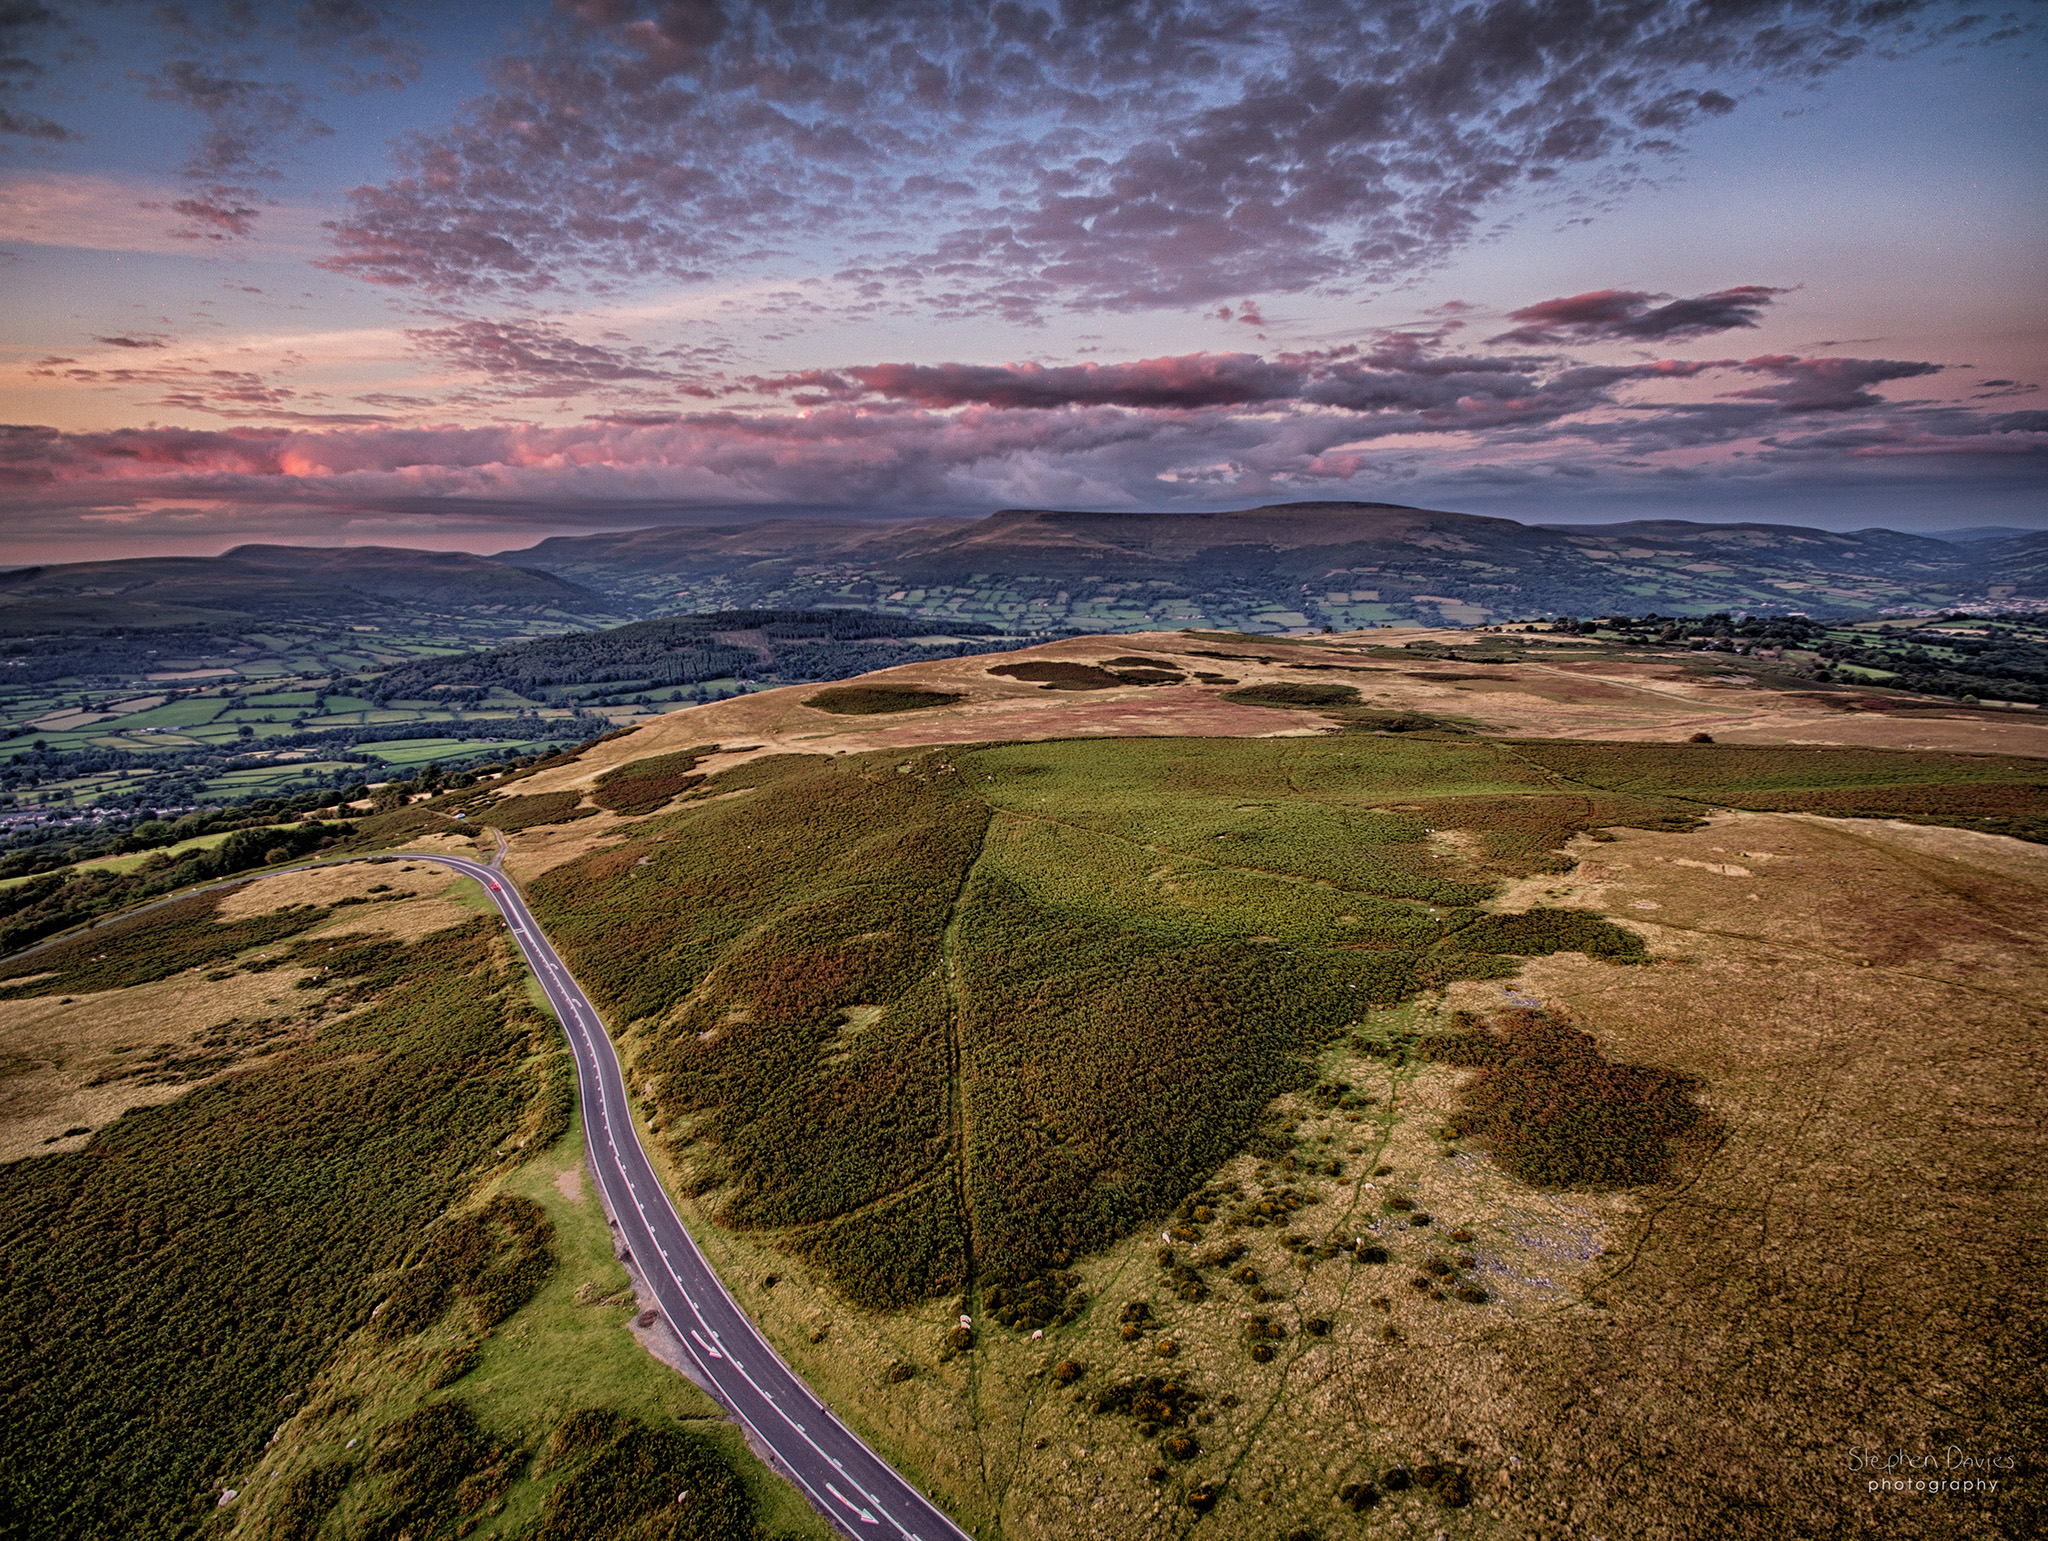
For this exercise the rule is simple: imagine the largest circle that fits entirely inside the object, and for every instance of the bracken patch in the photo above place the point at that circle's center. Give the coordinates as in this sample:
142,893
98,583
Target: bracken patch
1558,1114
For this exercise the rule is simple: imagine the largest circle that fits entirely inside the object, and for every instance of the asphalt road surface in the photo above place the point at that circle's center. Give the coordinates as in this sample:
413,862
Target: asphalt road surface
851,1486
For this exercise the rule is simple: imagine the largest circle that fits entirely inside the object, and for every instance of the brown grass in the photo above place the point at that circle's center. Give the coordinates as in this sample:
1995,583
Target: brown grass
53,1047
1852,1266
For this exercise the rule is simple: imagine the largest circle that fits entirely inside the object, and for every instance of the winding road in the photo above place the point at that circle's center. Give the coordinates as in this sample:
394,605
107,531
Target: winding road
855,1489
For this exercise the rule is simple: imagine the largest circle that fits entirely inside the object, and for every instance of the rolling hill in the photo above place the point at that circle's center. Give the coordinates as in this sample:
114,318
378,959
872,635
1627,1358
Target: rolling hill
302,584
1272,568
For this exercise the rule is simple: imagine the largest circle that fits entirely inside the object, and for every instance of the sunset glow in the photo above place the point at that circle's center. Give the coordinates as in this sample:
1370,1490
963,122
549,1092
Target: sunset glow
334,272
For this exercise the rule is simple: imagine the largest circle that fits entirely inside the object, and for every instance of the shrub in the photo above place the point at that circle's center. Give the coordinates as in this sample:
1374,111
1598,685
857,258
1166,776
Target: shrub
1541,931
512,814
1558,1114
496,1258
628,1492
879,700
1153,1399
155,944
1448,1482
297,1511
156,1370
642,786
1051,675
1290,694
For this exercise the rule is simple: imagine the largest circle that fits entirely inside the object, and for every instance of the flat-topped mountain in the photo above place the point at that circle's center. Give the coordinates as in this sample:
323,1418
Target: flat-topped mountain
1280,567
1274,567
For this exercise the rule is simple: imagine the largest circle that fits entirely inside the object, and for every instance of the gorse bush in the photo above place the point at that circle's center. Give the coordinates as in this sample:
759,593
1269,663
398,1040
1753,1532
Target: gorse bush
1558,1114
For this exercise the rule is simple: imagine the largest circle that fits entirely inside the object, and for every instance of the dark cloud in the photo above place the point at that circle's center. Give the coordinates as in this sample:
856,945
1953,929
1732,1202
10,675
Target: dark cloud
1630,315
1826,384
249,121
852,454
1404,383
24,28
130,342
216,217
1012,160
1191,381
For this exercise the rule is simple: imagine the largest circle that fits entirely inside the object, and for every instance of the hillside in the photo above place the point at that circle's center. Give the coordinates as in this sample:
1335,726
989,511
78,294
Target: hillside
1131,994
297,584
1286,566
732,645
1177,1085
1278,568
2018,565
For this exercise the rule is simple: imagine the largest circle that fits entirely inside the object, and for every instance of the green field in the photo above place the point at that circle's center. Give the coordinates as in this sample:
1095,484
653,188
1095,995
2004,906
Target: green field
407,754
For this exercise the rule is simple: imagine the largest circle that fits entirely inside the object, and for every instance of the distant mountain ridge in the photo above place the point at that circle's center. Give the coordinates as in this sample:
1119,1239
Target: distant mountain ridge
1282,566
328,584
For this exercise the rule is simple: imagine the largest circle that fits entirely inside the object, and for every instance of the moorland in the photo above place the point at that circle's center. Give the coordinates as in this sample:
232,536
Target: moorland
1501,1084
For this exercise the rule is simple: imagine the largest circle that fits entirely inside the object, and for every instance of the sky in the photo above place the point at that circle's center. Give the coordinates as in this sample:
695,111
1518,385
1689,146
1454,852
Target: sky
463,277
